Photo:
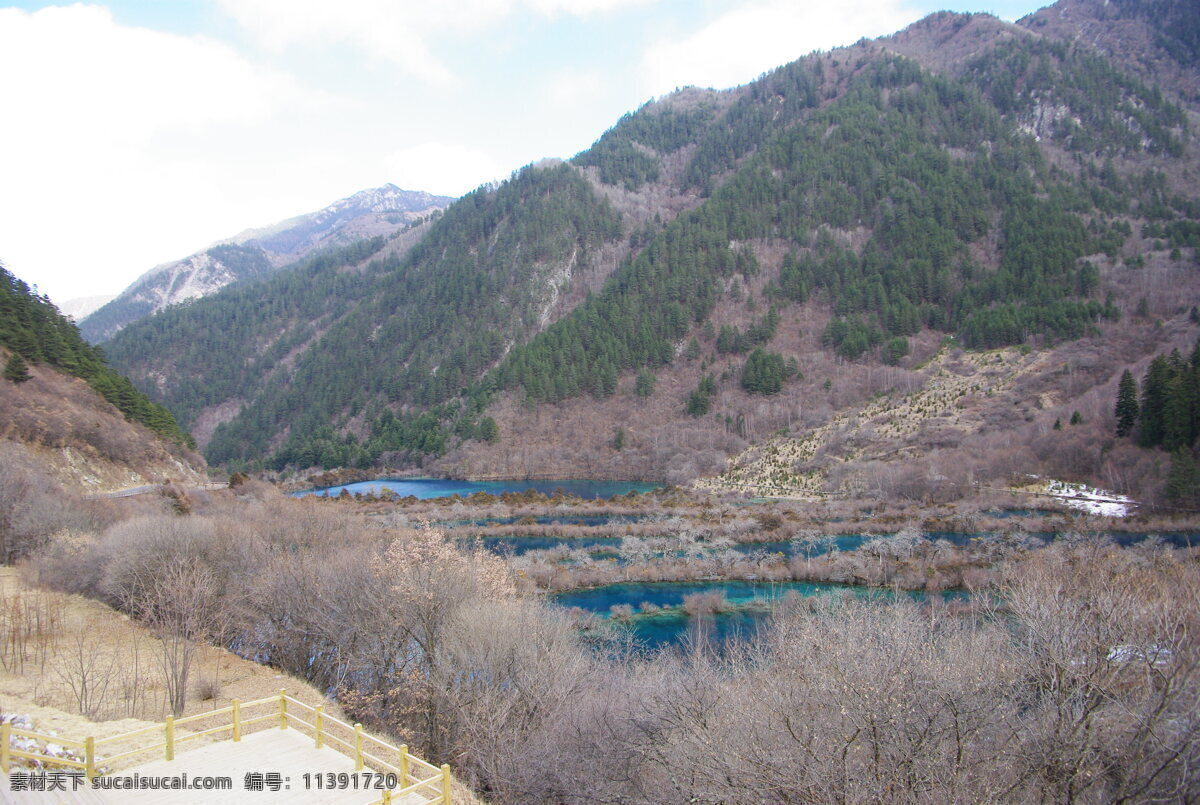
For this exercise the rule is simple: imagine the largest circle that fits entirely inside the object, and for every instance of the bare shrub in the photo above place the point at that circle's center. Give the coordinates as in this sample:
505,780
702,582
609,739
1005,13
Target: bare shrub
29,624
68,562
208,688
137,699
139,551
621,611
32,505
87,666
1075,679
1107,640
705,603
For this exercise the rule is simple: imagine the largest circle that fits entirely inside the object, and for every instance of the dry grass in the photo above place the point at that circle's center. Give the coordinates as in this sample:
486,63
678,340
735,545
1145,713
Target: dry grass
84,441
892,426
122,658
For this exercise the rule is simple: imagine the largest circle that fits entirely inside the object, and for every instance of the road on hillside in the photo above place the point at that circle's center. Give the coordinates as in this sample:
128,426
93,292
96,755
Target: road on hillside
141,490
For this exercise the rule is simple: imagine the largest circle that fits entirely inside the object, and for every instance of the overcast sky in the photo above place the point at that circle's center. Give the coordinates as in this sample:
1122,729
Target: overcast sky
137,132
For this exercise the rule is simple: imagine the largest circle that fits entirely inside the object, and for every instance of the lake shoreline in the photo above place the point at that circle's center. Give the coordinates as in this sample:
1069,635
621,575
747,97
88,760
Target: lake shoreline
348,475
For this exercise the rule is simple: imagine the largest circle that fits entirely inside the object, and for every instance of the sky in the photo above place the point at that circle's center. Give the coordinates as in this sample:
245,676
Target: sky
135,132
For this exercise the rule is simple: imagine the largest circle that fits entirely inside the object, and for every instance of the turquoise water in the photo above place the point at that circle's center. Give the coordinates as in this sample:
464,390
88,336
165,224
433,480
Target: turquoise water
426,488
752,600
517,545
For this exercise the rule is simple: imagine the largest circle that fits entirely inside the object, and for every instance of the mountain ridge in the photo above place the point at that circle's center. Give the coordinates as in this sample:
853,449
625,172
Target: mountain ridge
257,252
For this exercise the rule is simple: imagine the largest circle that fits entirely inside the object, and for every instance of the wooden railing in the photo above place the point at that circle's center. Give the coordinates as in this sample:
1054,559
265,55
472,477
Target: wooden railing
414,775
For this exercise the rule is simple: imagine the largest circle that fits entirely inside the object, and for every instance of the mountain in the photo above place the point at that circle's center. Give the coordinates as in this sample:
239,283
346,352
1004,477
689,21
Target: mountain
61,401
256,253
83,306
367,213
973,222
1156,39
377,320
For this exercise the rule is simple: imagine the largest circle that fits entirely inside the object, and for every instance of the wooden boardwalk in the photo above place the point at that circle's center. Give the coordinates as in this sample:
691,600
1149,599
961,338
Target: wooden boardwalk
288,753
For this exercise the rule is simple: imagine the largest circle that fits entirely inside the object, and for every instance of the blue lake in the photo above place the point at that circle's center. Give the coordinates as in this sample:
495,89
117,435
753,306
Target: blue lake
426,488
753,600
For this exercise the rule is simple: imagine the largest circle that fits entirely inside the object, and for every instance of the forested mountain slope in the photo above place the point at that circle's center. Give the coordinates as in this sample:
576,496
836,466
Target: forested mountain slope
724,265
1156,39
351,331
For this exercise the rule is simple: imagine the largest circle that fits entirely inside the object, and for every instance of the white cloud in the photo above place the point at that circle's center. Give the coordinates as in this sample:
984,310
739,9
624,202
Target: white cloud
400,33
444,169
575,88
744,43
125,147
394,32
75,68
582,8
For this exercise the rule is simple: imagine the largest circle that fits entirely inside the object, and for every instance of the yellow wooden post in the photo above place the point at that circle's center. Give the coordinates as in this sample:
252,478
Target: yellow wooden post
282,709
358,758
237,720
170,727
5,746
445,784
319,719
89,757
404,765
387,798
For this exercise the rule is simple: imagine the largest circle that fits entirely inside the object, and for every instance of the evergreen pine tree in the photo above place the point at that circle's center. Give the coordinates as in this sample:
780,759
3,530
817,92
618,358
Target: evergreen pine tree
1183,480
618,441
1155,387
489,431
644,385
697,404
763,372
1177,420
1127,404
16,369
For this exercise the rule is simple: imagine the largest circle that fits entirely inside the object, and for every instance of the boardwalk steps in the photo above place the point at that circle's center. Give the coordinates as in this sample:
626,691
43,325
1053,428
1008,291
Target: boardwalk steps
416,780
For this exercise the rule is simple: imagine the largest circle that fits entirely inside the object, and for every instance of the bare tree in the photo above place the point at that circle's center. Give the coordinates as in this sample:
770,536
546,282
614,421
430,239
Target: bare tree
88,668
181,607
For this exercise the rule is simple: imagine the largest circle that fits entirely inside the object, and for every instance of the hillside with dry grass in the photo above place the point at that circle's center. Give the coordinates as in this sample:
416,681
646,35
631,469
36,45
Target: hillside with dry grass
81,668
83,440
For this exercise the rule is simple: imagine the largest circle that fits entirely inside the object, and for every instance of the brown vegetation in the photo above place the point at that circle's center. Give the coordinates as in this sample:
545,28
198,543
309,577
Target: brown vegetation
74,663
83,441
1080,684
